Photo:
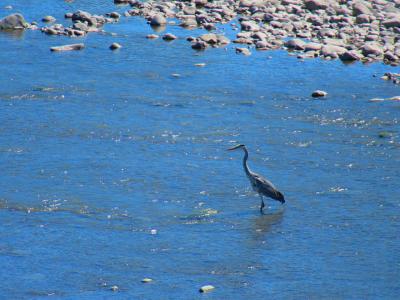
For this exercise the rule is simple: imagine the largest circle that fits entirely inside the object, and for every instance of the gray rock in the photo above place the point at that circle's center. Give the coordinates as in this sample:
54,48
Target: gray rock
363,18
350,55
189,10
263,45
315,4
80,26
189,23
371,49
209,26
243,40
68,47
51,31
158,20
209,38
223,40
332,51
360,7
312,47
390,56
295,44
249,26
13,22
92,21
393,22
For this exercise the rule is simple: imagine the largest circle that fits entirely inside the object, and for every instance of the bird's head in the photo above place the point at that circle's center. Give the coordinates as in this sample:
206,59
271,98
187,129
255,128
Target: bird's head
240,146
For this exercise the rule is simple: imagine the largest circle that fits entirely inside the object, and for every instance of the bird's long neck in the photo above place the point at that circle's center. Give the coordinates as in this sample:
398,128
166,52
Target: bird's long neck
245,166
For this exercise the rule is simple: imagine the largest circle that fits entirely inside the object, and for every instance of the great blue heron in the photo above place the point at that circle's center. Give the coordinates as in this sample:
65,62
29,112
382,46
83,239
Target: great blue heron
259,184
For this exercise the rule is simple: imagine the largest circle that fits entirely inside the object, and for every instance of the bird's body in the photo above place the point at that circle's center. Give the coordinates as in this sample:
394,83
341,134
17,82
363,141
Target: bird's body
259,184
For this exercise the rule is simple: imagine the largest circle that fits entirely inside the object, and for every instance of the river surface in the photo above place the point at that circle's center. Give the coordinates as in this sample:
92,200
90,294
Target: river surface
114,168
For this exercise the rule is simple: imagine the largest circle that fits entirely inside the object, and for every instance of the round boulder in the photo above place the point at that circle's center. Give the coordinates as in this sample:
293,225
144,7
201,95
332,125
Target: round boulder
158,20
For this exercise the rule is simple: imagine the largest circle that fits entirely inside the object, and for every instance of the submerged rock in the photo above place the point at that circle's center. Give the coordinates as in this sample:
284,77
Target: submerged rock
68,47
351,55
13,22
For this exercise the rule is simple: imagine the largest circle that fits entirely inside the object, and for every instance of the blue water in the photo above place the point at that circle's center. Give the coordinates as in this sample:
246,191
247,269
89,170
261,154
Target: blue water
99,148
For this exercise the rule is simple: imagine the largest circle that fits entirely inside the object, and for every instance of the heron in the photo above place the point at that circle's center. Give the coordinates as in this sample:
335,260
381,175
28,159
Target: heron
259,184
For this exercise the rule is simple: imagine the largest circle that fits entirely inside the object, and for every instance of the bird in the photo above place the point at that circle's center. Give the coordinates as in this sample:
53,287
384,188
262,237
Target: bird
259,184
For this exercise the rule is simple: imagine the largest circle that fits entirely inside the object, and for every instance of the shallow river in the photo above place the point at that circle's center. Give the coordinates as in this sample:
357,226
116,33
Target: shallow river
113,169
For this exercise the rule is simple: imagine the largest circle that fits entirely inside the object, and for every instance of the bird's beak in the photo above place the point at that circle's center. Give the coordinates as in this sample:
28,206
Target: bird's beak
234,148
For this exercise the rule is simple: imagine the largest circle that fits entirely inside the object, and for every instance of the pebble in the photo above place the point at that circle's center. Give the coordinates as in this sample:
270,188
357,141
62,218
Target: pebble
115,46
319,93
147,280
206,289
200,65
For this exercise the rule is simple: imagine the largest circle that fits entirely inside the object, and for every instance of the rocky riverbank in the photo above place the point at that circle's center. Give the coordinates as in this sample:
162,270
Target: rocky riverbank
349,30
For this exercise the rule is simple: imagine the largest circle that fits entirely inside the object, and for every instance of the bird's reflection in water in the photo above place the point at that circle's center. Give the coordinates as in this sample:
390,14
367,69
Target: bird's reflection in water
265,222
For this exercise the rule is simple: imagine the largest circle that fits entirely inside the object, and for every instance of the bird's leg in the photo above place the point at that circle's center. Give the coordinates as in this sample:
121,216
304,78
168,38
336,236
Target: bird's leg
262,204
